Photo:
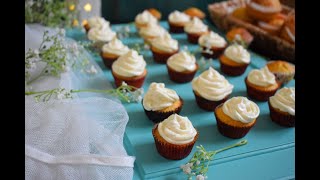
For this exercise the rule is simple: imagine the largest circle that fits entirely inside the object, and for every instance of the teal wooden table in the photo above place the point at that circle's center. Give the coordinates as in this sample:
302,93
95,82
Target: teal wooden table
268,155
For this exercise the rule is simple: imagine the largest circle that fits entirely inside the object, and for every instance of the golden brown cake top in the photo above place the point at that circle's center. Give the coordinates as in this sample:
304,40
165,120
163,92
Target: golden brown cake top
280,66
195,12
155,13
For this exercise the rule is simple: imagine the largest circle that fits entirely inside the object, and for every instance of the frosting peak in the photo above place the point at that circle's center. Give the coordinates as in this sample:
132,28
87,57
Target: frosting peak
284,99
145,17
115,46
165,43
262,77
212,39
97,22
153,30
238,54
103,33
182,61
195,26
178,17
129,65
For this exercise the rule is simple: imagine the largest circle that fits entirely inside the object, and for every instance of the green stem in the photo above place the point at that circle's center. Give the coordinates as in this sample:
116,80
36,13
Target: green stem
240,143
91,90
37,77
39,92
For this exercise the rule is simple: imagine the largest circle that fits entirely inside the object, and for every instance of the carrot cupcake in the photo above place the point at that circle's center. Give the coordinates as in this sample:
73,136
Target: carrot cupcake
95,21
211,89
212,44
112,51
261,84
240,36
284,71
282,107
151,31
235,60
129,68
263,10
175,137
194,29
160,102
182,67
163,47
177,20
288,31
236,117
144,18
101,35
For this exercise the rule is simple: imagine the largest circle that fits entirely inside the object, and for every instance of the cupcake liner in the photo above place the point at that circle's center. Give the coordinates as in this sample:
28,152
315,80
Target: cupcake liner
181,77
162,57
232,70
283,77
231,131
193,38
258,94
176,29
172,151
86,27
207,104
108,61
132,81
215,55
281,118
158,116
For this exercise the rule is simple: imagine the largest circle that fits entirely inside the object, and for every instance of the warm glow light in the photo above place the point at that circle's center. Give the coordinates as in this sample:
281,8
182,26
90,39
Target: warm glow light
84,22
75,23
87,7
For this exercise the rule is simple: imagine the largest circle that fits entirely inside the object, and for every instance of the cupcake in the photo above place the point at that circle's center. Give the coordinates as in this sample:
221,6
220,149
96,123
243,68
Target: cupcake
261,84
288,31
160,102
112,51
234,60
282,107
194,29
129,68
101,35
163,47
95,22
274,25
144,18
263,10
212,44
284,71
195,12
174,137
177,20
236,117
151,31
155,13
211,89
240,36
182,67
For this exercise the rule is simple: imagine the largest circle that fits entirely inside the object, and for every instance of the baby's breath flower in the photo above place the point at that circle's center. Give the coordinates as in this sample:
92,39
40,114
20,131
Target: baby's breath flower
200,177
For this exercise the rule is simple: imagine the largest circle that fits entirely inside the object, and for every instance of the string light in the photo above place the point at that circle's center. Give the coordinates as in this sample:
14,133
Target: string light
72,7
87,7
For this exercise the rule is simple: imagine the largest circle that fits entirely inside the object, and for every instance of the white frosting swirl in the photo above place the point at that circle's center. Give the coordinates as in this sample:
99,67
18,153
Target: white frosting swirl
145,17
115,47
129,65
211,85
262,77
98,22
241,109
153,30
195,26
182,61
177,129
262,8
285,100
165,43
178,17
104,33
158,97
212,40
238,54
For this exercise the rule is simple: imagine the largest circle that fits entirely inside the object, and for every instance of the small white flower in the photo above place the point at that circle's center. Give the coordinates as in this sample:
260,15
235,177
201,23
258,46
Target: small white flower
60,95
237,37
185,48
200,177
198,162
127,28
186,169
92,70
124,83
51,14
36,52
146,46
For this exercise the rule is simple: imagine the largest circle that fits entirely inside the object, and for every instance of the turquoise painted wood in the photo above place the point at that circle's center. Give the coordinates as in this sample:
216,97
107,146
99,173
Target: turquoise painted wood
269,153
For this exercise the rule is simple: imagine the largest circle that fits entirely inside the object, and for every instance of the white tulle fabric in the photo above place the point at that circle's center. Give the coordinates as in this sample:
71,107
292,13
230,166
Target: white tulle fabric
79,138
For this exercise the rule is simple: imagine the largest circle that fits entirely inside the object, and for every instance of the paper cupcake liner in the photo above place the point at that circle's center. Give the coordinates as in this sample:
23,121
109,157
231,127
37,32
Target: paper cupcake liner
172,151
134,81
87,27
176,29
157,116
162,57
181,77
108,61
283,119
231,131
232,70
257,94
207,104
217,52
193,38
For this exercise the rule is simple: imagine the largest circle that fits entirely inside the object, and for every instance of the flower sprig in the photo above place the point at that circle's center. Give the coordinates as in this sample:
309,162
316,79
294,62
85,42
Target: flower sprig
240,41
198,165
204,64
125,93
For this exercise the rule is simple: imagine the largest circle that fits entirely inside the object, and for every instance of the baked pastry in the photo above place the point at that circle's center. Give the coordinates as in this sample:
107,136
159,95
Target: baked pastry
160,102
101,35
211,89
240,36
263,10
195,12
112,51
282,107
261,84
182,67
212,44
163,47
151,31
236,117
129,68
284,71
241,13
177,20
274,25
288,31
144,18
174,137
235,60
95,21
155,13
194,29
